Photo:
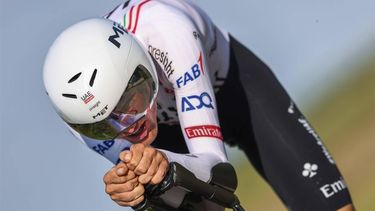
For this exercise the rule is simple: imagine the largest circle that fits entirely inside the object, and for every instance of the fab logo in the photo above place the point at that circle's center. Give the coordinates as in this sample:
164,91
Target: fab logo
104,146
193,73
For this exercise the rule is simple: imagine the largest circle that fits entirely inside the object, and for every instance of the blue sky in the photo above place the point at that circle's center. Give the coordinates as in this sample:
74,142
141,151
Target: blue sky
42,167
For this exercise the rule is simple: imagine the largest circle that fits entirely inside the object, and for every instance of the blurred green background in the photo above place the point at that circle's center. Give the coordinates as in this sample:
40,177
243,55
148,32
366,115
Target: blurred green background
344,118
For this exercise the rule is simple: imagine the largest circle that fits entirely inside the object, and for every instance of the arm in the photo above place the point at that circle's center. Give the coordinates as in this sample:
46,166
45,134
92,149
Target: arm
109,149
182,61
188,73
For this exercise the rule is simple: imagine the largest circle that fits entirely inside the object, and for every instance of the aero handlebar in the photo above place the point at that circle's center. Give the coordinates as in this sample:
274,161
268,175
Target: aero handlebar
220,192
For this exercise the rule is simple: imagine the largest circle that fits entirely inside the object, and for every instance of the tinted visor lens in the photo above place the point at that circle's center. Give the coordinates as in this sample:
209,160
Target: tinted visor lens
132,106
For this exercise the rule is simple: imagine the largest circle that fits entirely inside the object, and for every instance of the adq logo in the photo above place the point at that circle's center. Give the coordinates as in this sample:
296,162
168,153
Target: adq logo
196,102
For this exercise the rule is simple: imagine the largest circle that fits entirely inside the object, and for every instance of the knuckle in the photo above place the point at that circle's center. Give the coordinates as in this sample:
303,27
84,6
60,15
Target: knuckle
131,175
124,197
151,171
132,203
156,180
165,163
149,151
132,164
108,189
121,203
144,179
141,170
121,180
137,201
137,147
120,165
107,178
114,197
141,189
132,147
159,156
128,186
163,171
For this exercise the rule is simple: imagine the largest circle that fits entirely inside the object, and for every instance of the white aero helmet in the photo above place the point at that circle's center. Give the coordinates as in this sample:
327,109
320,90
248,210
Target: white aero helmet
99,78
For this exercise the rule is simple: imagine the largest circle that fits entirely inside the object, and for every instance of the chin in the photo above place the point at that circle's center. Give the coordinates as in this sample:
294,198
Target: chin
150,137
148,140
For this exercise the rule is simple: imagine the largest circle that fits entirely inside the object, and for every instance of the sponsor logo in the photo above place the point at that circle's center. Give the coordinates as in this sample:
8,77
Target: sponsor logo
329,190
95,106
163,58
190,75
103,146
310,130
87,97
118,30
204,131
196,102
101,112
309,170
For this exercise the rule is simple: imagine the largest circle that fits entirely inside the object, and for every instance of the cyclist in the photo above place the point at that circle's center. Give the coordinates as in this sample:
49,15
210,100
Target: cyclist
158,82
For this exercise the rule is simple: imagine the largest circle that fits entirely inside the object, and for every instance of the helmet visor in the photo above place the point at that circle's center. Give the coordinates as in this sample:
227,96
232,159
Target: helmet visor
133,105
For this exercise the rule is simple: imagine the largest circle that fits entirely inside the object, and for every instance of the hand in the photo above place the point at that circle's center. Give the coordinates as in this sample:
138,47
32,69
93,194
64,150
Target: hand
122,186
148,163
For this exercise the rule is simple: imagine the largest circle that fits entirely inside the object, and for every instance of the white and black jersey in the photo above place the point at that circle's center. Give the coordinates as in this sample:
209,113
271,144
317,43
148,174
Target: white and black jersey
213,89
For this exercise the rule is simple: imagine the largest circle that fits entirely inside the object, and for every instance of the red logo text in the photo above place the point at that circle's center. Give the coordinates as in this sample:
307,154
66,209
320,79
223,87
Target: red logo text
87,97
204,131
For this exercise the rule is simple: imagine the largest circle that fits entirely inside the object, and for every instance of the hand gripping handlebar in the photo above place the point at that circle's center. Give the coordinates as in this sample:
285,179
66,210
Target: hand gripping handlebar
220,190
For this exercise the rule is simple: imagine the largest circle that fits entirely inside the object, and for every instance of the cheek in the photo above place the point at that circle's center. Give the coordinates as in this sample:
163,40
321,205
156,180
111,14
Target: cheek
152,134
152,117
152,113
152,120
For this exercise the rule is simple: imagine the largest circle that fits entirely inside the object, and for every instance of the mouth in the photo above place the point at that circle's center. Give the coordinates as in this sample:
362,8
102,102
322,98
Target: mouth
140,133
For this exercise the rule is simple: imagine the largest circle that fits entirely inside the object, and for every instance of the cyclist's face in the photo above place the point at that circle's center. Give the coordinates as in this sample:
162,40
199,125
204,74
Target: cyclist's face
145,130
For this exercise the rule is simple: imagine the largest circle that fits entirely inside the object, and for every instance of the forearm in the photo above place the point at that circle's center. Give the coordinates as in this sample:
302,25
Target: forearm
198,163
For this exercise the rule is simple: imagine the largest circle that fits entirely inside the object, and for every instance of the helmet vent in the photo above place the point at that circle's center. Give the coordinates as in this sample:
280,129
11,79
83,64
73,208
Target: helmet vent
75,77
70,96
93,77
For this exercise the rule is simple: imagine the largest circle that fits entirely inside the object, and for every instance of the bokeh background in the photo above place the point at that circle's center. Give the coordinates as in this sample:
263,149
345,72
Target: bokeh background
322,51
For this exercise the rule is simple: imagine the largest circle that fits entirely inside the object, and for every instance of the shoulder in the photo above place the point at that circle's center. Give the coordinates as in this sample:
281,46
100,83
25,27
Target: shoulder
131,12
161,16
